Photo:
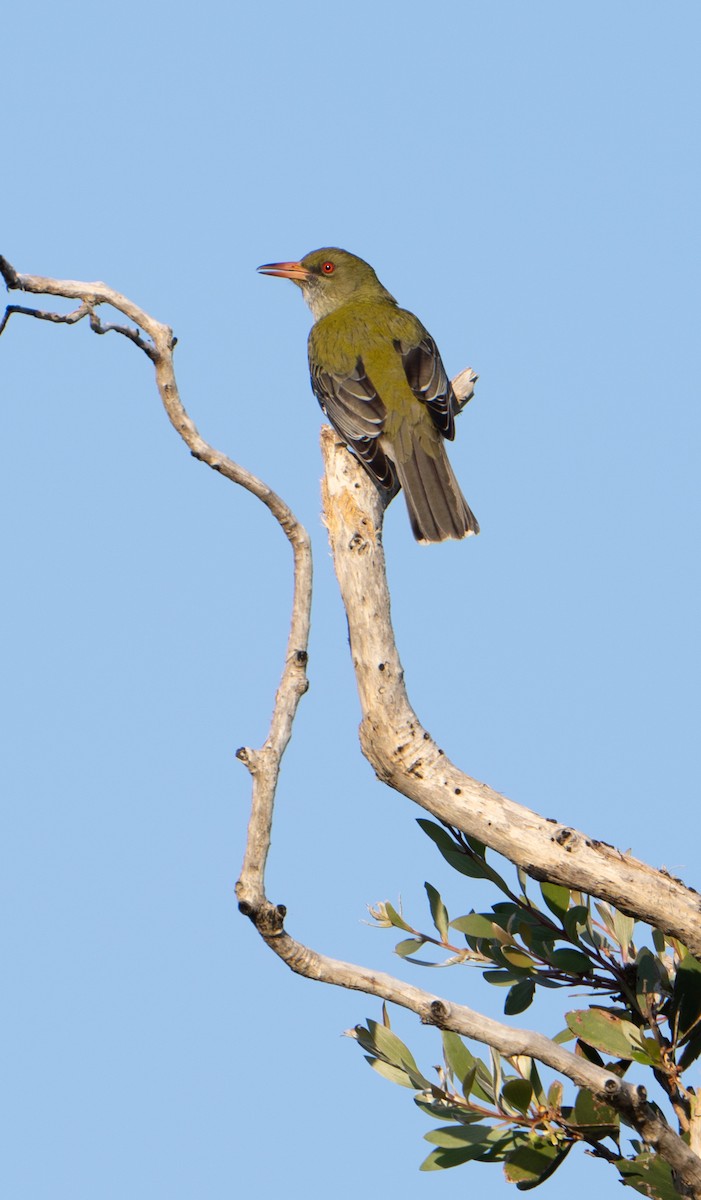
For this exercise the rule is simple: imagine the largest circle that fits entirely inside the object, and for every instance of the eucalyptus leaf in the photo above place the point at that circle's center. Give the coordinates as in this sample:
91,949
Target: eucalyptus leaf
594,1117
502,978
459,859
388,1046
519,997
574,962
478,925
397,920
388,1071
442,1160
517,1093
575,920
439,911
624,927
556,897
453,1137
691,1052
649,1174
459,1060
409,946
649,985
445,1111
687,994
602,1029
530,1165
518,958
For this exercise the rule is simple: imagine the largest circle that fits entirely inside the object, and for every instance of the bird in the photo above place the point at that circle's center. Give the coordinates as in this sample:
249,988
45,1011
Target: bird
380,381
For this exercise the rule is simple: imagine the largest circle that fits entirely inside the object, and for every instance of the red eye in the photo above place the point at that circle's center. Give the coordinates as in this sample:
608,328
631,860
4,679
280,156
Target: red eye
328,268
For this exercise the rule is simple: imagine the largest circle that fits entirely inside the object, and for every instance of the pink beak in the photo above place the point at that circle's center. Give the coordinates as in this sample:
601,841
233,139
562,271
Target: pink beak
285,270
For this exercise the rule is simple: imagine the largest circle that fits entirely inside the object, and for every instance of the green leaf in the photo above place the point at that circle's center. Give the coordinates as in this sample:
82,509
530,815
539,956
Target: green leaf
477,925
443,1110
454,1137
648,979
522,880
394,1074
518,958
538,1089
574,962
517,1093
555,1093
687,994
519,997
659,941
593,1117
556,897
496,1069
565,1035
501,978
395,918
471,1072
607,917
458,859
600,1028
409,946
691,1052
458,1058
385,1044
623,928
649,1174
575,920
439,912
532,1164
539,938
441,1160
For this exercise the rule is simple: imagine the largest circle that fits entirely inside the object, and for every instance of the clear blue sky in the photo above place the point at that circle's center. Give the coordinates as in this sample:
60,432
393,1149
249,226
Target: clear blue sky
525,177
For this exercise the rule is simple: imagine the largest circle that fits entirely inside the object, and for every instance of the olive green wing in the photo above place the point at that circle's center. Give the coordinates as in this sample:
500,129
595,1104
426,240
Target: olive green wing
358,415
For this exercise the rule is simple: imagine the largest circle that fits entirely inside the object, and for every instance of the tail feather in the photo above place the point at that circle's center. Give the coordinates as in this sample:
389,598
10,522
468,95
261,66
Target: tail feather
437,508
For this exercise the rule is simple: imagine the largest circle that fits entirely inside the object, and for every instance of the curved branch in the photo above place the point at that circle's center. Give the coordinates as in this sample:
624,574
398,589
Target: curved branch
407,758
158,344
404,755
629,1100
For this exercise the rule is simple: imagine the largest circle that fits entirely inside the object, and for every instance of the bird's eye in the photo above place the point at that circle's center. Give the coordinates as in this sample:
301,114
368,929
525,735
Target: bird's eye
328,268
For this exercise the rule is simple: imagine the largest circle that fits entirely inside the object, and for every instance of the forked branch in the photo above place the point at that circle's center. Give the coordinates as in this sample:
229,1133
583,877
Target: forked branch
401,751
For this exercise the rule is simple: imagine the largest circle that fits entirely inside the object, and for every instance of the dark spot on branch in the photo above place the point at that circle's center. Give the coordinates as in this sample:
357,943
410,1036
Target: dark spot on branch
563,837
301,658
438,1013
457,791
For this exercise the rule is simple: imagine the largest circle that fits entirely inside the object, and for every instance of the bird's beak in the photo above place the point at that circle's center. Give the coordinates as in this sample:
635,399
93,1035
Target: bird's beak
286,270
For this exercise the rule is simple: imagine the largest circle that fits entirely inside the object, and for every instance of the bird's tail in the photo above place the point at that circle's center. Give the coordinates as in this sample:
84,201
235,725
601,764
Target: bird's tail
437,508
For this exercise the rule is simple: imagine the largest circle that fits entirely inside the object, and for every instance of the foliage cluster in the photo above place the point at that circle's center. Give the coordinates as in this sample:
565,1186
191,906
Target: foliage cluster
645,1010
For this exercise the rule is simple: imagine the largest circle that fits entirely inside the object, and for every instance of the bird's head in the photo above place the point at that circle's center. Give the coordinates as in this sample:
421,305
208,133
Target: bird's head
329,278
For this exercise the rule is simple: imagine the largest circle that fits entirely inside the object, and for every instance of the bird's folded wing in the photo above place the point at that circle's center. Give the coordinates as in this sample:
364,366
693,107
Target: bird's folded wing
357,414
429,382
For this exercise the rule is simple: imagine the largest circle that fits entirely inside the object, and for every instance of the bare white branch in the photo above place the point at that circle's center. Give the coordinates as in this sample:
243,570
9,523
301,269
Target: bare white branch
405,756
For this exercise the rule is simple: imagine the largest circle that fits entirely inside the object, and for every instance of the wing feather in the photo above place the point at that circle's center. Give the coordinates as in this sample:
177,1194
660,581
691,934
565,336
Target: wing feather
428,380
358,415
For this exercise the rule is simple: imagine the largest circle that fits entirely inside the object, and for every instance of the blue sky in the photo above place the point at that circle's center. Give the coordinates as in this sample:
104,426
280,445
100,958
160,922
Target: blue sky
523,176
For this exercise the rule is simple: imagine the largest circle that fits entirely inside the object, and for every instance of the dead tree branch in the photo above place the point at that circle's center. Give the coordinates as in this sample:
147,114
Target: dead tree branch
402,752
405,756
157,341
